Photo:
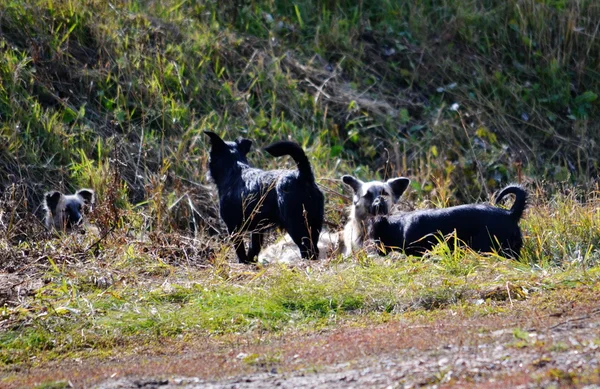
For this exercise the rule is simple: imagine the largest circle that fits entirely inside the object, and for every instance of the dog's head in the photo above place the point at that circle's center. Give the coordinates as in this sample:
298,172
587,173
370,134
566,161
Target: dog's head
375,197
67,211
227,153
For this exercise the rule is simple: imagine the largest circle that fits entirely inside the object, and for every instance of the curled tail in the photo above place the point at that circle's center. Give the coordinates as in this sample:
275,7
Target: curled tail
281,148
521,197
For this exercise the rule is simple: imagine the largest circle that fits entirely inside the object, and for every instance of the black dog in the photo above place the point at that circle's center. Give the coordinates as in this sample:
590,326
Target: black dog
254,200
482,227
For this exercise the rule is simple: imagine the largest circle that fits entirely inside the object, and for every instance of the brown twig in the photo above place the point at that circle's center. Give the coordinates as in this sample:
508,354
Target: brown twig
579,318
97,242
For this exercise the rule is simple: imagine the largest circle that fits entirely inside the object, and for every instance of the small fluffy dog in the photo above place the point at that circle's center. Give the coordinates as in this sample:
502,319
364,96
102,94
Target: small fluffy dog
373,198
254,200
482,227
65,212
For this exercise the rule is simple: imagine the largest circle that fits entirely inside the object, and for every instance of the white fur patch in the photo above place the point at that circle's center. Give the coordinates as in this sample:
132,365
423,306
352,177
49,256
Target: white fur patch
286,251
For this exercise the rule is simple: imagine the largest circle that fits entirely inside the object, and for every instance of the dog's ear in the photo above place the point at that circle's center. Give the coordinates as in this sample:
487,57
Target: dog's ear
354,183
398,186
87,195
51,200
215,140
244,145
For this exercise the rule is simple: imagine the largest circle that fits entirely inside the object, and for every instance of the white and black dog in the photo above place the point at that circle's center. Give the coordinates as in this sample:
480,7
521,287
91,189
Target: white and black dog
64,212
370,199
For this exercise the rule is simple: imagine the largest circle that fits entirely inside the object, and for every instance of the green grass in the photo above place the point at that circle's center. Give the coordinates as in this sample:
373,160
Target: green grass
84,82
69,317
145,290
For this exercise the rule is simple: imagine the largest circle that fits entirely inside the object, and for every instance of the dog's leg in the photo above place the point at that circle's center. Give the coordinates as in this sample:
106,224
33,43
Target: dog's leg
313,226
511,245
508,247
240,249
381,249
514,246
255,244
354,235
301,237
315,233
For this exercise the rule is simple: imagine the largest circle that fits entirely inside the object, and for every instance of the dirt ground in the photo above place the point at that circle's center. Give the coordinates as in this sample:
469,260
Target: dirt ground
526,347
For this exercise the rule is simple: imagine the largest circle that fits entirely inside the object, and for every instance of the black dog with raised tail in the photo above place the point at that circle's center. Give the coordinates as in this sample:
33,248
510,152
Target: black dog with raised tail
254,200
482,227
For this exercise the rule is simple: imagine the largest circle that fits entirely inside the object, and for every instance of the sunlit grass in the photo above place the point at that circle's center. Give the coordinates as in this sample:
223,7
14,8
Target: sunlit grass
73,315
159,73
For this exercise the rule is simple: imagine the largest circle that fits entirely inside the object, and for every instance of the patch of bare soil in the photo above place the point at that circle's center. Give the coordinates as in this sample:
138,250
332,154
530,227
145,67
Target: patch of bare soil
528,347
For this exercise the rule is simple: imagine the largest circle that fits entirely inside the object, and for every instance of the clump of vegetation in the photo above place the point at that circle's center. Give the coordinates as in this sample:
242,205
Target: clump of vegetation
148,291
477,93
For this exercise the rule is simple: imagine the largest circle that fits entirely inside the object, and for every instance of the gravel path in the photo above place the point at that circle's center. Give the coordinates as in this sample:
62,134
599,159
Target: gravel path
564,353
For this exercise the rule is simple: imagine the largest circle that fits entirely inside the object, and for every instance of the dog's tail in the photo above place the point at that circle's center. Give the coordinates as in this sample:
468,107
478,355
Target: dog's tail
281,148
521,197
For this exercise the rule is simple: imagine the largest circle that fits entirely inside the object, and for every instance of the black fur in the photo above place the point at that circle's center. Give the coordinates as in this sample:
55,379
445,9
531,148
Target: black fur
254,200
482,227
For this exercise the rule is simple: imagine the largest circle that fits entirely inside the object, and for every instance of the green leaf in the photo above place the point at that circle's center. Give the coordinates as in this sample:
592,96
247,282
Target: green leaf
434,151
586,97
520,334
81,113
298,16
69,116
336,151
120,115
404,116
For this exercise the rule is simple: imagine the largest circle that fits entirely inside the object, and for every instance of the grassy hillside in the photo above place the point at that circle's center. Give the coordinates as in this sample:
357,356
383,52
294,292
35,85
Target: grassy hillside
460,96
478,92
